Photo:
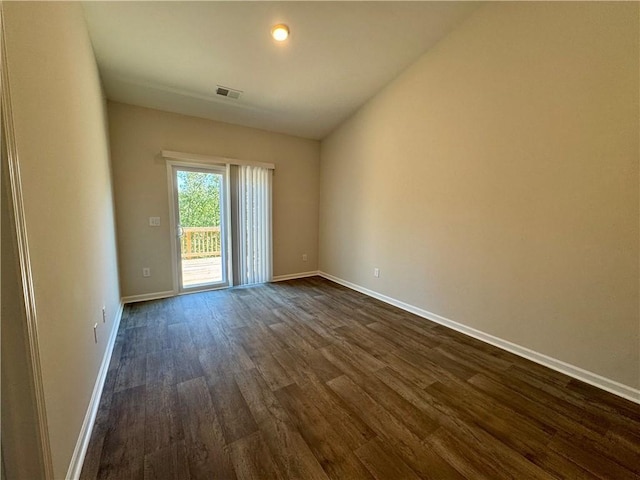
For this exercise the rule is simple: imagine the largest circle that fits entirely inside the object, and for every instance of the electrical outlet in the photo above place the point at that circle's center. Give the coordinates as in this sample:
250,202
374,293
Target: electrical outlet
304,257
146,272
376,272
154,221
104,314
95,333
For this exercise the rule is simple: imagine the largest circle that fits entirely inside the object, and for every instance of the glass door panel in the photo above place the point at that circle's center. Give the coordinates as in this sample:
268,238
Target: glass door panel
201,227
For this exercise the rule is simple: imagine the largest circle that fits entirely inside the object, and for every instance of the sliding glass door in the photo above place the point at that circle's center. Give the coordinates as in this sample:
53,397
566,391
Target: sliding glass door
200,198
220,223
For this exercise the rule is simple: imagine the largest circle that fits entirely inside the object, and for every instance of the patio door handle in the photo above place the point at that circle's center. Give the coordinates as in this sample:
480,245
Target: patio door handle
179,231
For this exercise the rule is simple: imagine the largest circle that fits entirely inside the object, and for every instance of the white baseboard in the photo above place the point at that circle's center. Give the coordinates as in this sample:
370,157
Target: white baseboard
578,373
148,296
293,276
75,467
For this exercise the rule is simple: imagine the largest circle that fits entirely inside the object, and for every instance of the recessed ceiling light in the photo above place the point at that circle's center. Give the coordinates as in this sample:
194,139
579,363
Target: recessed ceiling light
280,32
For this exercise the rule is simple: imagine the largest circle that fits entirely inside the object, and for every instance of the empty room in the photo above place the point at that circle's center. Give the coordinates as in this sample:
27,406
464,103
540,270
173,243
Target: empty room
320,240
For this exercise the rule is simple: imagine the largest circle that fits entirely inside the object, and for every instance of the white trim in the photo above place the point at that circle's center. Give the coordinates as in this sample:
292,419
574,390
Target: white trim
212,159
26,275
293,276
77,460
578,373
173,230
148,296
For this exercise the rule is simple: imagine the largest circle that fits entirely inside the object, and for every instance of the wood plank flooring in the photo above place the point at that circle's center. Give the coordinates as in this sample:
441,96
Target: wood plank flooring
309,380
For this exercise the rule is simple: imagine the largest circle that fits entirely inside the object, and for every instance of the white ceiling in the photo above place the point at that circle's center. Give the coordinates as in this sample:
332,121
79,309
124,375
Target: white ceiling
171,56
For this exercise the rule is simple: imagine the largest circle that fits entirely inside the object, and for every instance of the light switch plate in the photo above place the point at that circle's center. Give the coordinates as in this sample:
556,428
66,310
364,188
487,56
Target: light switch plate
154,221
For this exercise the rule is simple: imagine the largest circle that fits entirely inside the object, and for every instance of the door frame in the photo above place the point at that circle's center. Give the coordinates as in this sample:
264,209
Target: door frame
10,167
225,215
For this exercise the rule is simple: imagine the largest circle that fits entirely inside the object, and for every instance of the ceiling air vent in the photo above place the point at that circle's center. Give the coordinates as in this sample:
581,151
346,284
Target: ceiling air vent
228,92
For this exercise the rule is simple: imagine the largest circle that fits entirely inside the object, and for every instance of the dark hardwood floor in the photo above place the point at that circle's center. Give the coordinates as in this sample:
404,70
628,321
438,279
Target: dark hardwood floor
309,380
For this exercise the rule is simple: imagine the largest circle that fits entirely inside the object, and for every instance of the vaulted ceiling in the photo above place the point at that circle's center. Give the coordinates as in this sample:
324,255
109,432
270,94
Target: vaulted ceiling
172,55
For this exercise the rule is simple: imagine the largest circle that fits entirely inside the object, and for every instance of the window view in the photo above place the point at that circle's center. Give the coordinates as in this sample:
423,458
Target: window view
199,206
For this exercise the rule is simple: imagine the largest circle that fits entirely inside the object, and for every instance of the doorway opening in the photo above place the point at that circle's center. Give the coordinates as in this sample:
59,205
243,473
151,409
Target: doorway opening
200,199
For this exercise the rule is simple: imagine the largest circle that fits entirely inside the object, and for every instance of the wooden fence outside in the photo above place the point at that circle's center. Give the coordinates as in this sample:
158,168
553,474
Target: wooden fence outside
200,242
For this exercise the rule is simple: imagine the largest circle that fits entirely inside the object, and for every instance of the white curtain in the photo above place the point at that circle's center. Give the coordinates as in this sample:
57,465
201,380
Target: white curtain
254,224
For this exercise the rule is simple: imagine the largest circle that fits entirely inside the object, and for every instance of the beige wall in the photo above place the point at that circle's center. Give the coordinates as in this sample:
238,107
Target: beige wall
62,145
140,184
495,183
